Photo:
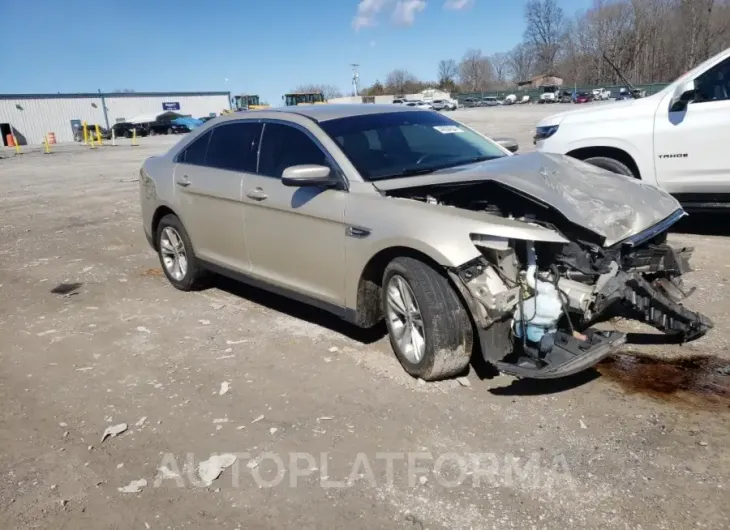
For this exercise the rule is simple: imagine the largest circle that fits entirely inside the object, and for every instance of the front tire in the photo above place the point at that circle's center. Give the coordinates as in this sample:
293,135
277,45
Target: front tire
177,258
611,164
429,328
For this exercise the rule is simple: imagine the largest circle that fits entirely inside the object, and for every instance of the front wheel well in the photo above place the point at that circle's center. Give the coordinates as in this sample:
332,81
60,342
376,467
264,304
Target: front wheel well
161,212
609,152
369,305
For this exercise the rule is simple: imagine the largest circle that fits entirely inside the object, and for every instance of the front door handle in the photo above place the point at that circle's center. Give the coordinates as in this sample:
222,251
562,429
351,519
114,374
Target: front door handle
257,194
184,181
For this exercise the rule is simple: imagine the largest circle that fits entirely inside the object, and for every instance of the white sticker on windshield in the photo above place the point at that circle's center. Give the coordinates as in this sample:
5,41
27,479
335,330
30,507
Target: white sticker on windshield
448,129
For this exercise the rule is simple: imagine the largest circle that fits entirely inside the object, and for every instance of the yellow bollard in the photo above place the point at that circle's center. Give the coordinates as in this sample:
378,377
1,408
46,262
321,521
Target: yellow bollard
98,135
86,134
134,137
17,145
45,142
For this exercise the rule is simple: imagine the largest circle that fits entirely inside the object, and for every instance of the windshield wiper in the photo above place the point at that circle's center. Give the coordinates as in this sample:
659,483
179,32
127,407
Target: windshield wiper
410,172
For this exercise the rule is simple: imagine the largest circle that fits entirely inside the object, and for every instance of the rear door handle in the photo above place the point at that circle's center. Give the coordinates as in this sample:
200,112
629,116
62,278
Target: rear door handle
184,181
257,194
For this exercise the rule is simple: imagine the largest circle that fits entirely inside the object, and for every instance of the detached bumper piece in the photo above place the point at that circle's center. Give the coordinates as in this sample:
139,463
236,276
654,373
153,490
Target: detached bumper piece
646,303
567,356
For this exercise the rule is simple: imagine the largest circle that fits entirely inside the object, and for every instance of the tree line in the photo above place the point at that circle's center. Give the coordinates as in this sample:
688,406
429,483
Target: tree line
650,41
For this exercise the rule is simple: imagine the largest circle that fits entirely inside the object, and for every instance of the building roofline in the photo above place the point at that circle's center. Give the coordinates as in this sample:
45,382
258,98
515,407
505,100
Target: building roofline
110,95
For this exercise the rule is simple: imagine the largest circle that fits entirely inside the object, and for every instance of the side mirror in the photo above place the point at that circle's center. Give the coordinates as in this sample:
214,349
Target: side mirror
510,144
307,175
683,95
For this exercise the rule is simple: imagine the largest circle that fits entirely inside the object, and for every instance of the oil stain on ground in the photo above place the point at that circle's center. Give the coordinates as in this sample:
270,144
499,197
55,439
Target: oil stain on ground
153,272
698,380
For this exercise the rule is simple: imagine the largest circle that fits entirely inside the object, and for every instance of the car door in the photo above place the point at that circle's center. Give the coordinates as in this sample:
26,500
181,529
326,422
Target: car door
208,180
295,235
689,145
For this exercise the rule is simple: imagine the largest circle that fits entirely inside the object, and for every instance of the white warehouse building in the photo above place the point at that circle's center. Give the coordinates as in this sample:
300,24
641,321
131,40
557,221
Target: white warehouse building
30,117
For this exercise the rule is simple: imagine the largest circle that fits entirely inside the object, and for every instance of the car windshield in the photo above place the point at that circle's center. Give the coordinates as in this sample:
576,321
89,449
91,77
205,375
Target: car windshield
397,144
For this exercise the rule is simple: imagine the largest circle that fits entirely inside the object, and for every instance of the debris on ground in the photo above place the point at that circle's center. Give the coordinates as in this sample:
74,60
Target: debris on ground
204,322
463,381
143,329
224,388
333,349
258,419
324,418
134,487
211,469
273,430
140,421
582,425
217,305
166,473
113,430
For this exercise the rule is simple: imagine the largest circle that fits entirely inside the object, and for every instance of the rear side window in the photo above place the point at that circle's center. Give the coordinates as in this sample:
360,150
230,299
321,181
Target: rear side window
233,146
195,152
284,146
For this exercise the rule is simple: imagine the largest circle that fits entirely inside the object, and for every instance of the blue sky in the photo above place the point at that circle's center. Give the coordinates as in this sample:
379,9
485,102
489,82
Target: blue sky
244,46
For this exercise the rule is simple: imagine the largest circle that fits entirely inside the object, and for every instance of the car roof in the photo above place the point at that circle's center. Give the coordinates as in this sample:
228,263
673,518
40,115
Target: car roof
328,111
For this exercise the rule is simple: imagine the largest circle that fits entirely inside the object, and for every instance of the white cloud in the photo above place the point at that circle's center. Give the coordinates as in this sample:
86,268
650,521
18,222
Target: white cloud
456,5
403,11
367,13
406,10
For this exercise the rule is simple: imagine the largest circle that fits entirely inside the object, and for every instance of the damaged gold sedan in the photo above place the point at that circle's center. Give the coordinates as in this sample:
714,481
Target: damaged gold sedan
404,215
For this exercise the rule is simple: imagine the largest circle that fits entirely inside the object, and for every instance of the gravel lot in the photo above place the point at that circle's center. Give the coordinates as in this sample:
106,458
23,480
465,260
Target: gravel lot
329,430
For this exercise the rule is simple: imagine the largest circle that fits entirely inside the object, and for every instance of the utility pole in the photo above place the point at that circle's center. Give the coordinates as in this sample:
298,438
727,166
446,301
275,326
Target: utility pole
355,80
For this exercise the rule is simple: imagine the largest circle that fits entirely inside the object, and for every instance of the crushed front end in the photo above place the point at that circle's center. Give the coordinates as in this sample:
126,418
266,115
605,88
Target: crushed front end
535,304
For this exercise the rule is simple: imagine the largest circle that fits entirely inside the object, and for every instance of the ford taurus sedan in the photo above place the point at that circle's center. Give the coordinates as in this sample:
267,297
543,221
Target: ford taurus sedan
378,212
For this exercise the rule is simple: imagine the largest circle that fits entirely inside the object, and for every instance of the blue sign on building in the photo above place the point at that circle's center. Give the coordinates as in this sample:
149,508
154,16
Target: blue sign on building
170,105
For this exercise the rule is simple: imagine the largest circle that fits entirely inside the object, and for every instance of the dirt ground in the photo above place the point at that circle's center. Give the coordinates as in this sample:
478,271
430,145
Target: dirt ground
328,430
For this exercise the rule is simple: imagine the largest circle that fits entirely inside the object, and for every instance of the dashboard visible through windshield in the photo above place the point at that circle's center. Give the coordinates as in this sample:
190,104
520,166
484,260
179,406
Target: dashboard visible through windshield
397,144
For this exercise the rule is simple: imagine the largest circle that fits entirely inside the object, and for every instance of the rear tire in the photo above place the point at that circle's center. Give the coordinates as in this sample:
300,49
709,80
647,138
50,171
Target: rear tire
177,257
611,164
436,341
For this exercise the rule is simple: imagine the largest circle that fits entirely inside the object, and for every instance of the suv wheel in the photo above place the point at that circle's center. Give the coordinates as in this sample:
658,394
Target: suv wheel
429,328
610,164
177,257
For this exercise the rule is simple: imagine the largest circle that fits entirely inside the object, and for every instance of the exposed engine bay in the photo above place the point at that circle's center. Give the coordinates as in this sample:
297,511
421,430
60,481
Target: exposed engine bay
534,303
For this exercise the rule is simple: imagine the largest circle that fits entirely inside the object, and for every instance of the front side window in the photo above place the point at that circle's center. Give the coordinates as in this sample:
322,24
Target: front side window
195,153
233,146
283,146
714,85
408,143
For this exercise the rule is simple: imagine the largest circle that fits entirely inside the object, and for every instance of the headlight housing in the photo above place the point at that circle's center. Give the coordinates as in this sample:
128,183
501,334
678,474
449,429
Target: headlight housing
542,133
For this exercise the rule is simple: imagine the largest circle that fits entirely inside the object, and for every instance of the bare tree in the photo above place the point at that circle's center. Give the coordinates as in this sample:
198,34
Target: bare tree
401,81
521,62
328,91
448,71
545,29
500,64
475,71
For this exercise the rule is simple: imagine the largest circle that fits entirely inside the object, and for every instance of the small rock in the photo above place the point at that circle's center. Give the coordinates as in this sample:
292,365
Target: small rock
273,430
53,487
582,425
65,434
210,469
220,420
63,502
703,443
423,479
140,421
63,424
252,464
114,430
240,427
204,322
134,487
464,381
143,329
333,349
120,466
224,388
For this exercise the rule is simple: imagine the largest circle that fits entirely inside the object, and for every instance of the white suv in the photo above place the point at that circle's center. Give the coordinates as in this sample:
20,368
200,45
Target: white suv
675,139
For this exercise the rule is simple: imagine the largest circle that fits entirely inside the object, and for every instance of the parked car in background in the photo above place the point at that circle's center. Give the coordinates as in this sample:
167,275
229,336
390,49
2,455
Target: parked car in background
489,101
584,97
601,94
444,104
125,130
673,139
399,101
167,127
91,132
471,102
411,218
